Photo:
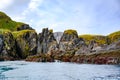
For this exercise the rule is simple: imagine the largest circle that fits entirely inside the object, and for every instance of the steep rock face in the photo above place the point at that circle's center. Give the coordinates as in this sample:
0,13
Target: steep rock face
45,40
26,42
7,47
58,36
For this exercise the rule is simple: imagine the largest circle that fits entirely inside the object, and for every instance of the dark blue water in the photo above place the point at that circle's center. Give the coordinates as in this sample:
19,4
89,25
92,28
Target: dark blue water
20,70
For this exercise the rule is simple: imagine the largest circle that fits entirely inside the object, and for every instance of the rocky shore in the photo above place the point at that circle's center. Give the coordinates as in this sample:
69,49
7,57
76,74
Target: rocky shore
20,41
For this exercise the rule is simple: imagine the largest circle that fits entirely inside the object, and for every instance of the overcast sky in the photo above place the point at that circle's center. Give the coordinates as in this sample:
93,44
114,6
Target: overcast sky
86,16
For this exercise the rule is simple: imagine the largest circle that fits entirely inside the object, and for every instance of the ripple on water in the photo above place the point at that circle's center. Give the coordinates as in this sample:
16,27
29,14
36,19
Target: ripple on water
109,77
19,70
5,68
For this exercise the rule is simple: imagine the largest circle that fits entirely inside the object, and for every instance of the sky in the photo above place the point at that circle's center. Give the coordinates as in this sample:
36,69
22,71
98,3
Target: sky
86,16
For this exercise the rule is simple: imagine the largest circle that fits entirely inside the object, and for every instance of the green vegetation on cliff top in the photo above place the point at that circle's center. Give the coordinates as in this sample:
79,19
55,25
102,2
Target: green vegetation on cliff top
21,33
2,31
7,23
98,38
70,31
51,30
115,36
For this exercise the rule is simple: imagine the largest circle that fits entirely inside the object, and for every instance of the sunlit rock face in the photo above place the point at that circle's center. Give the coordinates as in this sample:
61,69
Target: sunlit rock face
45,40
58,36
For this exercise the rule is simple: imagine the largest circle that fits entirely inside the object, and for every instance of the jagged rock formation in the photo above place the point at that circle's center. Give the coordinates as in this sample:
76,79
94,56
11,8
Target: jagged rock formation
45,40
66,40
19,41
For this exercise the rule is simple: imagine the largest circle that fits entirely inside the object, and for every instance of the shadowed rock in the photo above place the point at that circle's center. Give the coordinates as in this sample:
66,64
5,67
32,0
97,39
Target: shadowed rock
26,42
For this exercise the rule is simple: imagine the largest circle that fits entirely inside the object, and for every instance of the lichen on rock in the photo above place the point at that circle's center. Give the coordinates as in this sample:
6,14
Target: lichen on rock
26,42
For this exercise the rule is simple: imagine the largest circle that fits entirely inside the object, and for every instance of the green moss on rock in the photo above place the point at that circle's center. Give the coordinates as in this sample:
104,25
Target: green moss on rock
115,36
26,42
21,33
3,31
98,38
70,31
51,30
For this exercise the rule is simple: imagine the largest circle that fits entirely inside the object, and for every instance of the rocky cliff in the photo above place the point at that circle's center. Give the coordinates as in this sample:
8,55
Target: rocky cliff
20,41
26,42
17,39
7,47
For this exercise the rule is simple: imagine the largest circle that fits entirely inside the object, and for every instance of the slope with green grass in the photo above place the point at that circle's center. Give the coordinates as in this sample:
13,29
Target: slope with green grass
115,36
7,23
98,38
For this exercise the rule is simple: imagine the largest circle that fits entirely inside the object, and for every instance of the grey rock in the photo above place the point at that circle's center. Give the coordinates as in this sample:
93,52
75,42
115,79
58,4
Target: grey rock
45,40
58,36
1,43
24,27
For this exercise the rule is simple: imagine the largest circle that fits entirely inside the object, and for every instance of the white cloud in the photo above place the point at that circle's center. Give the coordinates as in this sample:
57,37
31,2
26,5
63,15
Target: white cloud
83,15
5,3
34,4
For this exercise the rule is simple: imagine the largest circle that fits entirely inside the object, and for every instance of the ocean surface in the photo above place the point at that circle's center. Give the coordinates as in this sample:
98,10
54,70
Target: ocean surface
21,70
